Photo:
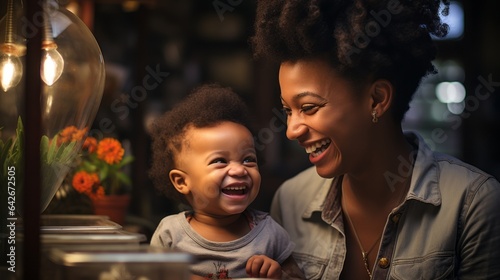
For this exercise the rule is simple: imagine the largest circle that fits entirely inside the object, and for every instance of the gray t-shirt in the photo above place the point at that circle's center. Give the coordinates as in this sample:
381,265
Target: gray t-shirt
220,260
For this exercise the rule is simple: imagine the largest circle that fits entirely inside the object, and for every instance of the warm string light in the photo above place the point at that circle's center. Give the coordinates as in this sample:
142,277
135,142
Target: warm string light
52,64
11,71
11,67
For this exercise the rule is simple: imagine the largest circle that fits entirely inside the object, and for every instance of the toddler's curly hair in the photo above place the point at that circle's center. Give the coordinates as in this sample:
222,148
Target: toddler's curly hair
206,106
363,40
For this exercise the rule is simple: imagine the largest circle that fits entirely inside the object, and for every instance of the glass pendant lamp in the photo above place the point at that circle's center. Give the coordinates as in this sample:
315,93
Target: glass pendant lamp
72,71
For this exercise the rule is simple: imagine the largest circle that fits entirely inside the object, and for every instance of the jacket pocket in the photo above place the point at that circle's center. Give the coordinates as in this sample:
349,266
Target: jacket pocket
435,266
312,267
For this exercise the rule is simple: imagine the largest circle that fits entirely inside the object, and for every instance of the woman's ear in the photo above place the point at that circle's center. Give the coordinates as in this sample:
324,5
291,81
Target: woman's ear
180,181
382,92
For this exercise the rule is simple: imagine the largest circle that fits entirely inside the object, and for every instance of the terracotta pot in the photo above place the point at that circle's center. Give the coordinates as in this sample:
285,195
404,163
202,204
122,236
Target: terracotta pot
113,206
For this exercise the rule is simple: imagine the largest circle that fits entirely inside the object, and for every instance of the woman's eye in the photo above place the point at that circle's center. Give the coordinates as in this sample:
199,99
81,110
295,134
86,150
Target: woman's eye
309,109
287,111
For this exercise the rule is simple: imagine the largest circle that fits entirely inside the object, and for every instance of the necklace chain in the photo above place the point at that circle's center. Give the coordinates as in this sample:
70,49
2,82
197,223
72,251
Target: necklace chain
364,254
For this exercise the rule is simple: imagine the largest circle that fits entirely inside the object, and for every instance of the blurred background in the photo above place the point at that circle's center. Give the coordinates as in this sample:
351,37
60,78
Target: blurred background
183,44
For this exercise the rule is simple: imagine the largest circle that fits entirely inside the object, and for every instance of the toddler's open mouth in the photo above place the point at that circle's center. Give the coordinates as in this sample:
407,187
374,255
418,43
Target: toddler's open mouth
235,190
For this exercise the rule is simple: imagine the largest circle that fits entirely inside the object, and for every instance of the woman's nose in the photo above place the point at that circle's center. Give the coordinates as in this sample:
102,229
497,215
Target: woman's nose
295,128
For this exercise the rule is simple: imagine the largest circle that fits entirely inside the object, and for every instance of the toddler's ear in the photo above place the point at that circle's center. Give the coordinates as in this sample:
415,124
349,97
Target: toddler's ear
180,180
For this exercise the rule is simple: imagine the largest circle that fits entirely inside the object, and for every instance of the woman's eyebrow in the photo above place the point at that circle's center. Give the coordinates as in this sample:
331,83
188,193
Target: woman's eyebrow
303,94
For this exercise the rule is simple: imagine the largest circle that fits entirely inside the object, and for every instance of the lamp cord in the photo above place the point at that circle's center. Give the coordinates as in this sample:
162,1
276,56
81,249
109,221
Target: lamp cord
47,27
9,24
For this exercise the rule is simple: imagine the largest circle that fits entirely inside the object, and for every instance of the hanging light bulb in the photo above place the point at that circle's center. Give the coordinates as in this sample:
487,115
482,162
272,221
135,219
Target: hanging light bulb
73,75
52,63
11,71
11,67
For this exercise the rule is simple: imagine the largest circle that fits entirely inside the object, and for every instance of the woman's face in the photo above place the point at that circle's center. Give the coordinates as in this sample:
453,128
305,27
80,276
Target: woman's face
326,115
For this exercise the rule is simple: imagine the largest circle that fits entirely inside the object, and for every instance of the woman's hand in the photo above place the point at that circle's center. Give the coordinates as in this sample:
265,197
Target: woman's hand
261,266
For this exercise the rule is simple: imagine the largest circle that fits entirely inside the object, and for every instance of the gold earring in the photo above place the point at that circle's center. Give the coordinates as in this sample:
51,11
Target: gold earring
374,116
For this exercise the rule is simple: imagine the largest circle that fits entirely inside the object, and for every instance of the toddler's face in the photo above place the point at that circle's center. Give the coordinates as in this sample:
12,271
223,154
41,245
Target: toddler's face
220,165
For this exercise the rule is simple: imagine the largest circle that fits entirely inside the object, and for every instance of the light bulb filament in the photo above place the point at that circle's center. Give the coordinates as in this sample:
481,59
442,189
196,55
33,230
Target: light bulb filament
7,74
11,71
52,64
52,67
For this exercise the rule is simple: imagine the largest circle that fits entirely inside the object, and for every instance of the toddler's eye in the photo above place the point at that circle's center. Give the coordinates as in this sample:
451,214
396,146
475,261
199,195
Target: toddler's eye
250,160
218,160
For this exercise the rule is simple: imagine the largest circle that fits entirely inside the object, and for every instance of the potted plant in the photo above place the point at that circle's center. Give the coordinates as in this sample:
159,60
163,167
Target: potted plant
100,174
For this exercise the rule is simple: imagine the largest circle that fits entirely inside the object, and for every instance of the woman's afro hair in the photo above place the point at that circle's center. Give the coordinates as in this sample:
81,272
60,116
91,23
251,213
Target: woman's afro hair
362,39
205,106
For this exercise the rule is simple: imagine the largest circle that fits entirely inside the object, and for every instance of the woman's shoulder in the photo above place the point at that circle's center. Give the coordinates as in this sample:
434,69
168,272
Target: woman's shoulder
305,186
456,176
450,168
448,171
302,189
450,163
308,176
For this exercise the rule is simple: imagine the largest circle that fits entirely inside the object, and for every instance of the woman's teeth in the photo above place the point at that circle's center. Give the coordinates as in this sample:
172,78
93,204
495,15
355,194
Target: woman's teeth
318,147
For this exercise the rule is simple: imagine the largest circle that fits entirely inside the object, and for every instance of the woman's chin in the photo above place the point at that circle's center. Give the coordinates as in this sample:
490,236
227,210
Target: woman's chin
326,171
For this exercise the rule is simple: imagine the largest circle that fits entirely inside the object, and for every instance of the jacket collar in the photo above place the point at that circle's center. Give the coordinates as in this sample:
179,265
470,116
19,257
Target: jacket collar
321,198
423,187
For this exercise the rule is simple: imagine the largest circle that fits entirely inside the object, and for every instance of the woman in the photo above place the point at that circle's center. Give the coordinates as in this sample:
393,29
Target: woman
378,203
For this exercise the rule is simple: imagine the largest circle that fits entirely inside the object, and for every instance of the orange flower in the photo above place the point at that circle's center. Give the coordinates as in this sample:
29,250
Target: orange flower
78,135
98,193
83,182
88,184
71,133
99,171
90,144
110,150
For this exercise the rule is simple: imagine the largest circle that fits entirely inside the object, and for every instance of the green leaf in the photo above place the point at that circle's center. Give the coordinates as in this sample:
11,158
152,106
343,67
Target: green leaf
124,178
89,167
44,147
126,160
18,144
66,153
59,151
5,152
51,152
15,153
103,172
11,154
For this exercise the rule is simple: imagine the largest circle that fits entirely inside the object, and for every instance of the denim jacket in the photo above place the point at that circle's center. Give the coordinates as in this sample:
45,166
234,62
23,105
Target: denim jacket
448,226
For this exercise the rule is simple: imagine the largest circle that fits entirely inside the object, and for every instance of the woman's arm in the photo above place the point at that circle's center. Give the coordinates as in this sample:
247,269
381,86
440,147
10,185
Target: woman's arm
480,239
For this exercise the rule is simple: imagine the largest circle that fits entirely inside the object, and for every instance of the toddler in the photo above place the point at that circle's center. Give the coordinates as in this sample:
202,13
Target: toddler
204,154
